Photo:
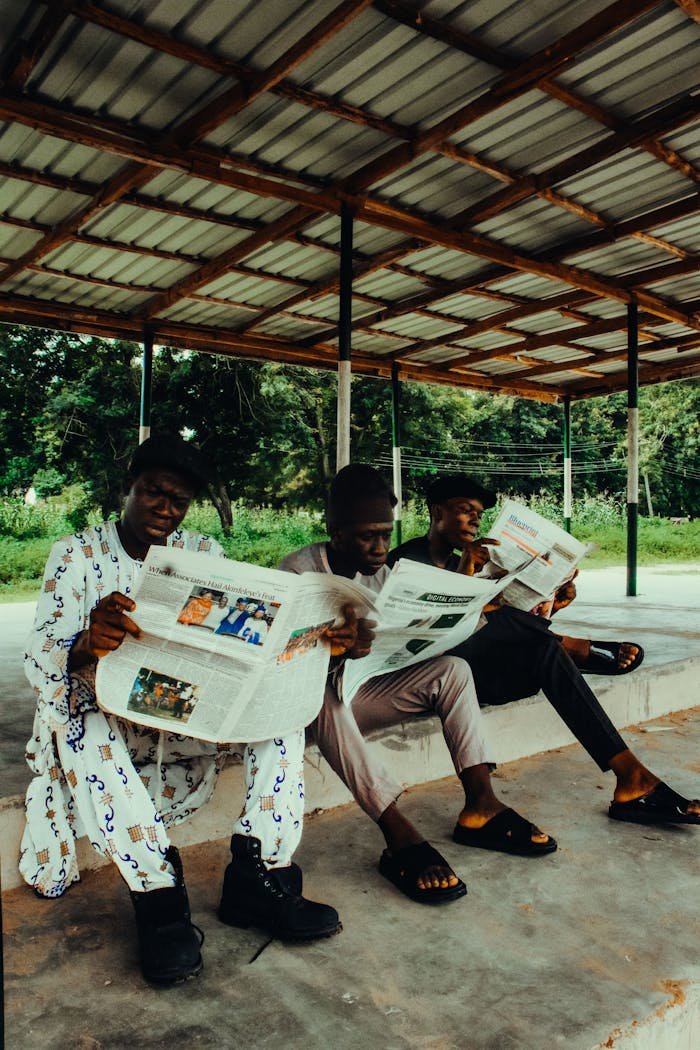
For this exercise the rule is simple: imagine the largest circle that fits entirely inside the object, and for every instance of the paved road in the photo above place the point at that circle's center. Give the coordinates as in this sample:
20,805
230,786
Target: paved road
17,711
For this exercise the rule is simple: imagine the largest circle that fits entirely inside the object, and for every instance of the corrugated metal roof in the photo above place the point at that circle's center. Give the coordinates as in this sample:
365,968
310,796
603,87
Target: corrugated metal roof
519,173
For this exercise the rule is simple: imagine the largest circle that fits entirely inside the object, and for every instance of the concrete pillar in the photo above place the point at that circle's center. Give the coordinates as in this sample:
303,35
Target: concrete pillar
344,338
632,448
396,444
568,488
146,386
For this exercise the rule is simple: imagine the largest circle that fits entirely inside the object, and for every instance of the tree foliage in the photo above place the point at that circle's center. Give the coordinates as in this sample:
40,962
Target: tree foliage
69,413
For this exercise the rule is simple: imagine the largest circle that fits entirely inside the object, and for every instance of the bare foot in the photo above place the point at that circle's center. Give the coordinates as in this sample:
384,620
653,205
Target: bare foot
399,833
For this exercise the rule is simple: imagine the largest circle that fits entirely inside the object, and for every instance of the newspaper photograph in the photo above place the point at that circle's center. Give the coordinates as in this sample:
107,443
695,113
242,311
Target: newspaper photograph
227,651
541,554
422,611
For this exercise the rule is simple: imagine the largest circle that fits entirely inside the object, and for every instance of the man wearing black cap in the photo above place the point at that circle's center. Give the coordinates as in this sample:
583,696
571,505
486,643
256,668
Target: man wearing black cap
360,518
514,655
100,776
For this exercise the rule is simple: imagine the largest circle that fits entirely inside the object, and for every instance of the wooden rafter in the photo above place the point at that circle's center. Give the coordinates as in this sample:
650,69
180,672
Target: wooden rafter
24,56
663,120
22,310
413,16
181,149
134,175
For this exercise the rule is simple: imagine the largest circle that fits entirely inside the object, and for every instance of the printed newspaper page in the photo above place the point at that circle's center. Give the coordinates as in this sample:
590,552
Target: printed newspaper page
228,651
542,555
422,611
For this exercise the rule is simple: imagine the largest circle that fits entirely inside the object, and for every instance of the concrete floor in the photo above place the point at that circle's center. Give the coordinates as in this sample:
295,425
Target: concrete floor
595,945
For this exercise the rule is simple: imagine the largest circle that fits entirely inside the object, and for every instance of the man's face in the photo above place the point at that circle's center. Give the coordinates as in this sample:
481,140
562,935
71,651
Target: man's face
156,504
458,519
364,546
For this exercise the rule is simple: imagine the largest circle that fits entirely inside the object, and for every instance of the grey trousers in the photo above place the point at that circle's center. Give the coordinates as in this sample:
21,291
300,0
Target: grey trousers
443,686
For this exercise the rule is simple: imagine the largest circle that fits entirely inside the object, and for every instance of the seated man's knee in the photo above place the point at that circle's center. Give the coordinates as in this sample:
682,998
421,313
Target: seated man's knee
453,672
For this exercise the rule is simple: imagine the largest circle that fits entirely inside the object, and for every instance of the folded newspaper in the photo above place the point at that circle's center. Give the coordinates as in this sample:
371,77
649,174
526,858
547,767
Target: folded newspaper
228,651
234,652
422,611
541,555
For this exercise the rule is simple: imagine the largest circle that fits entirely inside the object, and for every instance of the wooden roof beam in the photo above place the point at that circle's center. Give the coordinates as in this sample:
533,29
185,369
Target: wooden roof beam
25,54
376,212
656,217
662,121
649,373
414,17
606,356
20,310
134,175
521,79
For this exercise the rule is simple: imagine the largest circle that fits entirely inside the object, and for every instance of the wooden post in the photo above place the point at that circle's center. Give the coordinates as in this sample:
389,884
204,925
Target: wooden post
344,338
146,386
396,445
632,449
568,490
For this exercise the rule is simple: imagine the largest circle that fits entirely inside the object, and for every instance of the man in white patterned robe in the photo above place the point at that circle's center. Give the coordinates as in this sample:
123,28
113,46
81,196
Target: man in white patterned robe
98,775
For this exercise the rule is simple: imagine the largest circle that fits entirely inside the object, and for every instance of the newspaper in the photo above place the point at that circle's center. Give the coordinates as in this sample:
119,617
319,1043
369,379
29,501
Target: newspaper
541,555
422,611
228,651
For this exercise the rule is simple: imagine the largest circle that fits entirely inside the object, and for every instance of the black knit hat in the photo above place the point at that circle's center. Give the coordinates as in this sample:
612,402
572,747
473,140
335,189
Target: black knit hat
171,452
450,486
358,494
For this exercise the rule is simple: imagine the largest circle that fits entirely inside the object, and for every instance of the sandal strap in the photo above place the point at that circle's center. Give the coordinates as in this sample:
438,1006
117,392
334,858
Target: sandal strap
413,860
510,824
662,797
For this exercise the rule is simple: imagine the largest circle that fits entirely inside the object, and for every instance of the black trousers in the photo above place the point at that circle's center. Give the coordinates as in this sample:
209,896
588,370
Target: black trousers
515,655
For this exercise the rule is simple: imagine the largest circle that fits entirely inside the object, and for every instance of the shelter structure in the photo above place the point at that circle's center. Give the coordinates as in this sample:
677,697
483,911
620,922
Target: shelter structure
502,196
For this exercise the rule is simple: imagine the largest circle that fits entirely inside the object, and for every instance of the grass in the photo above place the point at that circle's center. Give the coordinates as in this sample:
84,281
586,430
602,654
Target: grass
262,536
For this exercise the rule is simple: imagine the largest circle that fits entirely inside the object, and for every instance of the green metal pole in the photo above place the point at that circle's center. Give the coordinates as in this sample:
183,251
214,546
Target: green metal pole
396,444
568,492
146,386
632,448
344,338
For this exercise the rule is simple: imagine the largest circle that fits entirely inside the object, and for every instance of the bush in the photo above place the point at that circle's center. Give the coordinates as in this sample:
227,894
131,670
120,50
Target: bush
22,561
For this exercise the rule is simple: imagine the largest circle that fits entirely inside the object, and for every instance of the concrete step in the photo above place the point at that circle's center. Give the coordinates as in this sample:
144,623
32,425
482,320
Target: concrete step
415,753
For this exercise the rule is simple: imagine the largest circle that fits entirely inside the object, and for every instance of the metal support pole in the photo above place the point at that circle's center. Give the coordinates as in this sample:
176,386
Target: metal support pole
146,386
632,448
568,491
396,444
344,338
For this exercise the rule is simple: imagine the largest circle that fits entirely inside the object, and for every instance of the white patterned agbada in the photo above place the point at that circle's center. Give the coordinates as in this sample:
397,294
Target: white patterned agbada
93,771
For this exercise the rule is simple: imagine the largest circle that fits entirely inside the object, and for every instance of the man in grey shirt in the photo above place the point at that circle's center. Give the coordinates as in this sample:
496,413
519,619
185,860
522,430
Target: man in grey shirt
360,518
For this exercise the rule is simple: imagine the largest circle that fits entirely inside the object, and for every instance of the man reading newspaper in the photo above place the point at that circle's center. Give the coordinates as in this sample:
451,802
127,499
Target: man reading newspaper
98,775
360,519
515,654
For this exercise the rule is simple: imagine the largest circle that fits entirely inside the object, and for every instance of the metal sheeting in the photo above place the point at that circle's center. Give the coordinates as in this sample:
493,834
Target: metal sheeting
529,193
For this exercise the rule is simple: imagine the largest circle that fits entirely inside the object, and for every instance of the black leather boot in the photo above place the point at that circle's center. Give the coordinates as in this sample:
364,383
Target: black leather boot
168,942
271,900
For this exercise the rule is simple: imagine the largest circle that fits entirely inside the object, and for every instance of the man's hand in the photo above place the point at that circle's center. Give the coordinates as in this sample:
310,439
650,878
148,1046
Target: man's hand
564,595
475,554
108,628
352,637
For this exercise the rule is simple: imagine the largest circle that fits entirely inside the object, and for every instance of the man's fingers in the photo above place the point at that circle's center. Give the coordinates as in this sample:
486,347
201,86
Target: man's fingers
349,614
130,627
487,541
